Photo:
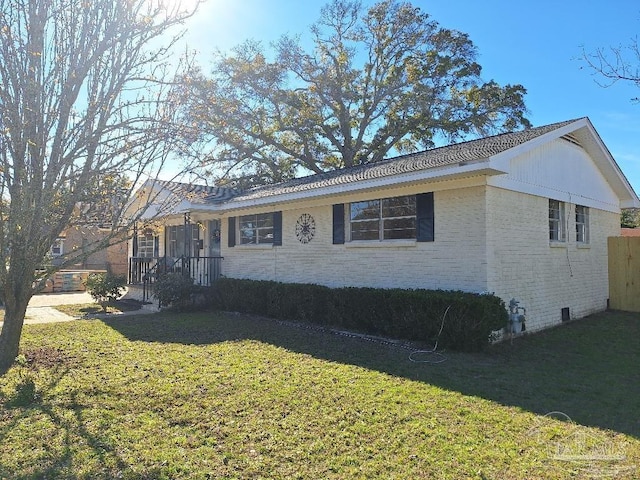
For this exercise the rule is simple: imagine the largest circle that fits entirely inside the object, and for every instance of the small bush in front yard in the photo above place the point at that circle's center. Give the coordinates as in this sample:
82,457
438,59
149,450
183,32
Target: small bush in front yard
174,290
457,320
105,287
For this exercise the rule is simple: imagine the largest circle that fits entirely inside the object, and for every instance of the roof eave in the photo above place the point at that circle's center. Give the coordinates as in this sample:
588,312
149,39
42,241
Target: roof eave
612,171
501,160
450,172
615,176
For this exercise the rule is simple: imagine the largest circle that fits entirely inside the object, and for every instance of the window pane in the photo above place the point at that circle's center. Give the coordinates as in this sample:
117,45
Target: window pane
368,230
145,245
553,230
264,220
247,225
365,210
256,229
554,210
399,206
265,235
556,226
248,221
400,228
247,236
582,224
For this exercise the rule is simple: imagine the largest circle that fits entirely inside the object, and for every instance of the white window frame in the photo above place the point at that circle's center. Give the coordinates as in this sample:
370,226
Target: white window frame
146,245
261,235
582,224
557,228
381,219
57,249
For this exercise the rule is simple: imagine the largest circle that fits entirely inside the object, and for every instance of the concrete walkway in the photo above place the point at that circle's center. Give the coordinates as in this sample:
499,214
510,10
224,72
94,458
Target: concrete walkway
41,307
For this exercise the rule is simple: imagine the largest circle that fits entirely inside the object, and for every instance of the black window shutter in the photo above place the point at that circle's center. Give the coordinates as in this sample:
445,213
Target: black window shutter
424,217
277,228
338,224
232,231
134,241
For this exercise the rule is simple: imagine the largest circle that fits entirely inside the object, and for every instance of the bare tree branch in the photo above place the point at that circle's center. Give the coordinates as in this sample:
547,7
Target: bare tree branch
615,64
84,97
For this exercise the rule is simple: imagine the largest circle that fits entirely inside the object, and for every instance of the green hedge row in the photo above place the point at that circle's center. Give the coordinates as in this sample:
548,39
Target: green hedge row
415,315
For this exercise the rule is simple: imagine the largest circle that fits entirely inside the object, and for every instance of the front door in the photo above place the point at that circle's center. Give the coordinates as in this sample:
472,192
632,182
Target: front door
214,238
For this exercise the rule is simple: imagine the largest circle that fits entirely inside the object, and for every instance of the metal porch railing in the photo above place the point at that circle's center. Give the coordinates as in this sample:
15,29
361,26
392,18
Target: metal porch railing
146,270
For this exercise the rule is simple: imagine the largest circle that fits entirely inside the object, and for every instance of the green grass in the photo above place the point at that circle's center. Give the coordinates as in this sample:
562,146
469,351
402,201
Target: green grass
227,396
84,309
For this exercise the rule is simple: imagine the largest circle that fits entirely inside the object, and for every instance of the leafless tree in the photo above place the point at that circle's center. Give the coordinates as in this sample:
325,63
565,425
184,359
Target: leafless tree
83,95
616,64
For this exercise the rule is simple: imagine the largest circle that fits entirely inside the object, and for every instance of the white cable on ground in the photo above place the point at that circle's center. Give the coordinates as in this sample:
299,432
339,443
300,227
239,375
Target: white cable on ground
431,356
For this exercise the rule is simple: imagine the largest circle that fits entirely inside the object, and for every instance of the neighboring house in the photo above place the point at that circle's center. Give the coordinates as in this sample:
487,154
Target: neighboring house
630,232
113,258
524,215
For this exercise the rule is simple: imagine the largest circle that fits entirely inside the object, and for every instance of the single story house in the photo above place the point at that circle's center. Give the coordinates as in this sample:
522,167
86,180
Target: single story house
524,215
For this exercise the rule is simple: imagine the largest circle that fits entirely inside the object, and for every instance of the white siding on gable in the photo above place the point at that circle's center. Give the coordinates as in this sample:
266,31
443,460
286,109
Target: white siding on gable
560,170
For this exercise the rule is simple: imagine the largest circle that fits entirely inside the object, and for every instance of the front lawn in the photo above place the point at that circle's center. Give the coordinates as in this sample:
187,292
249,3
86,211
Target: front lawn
227,396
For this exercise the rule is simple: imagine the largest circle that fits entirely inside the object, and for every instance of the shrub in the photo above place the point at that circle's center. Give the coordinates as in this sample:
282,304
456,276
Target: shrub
105,287
457,320
174,290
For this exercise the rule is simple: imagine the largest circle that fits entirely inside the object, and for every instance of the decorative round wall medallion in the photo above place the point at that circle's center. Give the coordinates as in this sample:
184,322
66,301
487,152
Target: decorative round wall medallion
305,228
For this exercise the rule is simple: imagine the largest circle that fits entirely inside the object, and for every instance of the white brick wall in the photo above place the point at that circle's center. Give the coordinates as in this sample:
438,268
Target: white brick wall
508,254
542,277
456,260
486,239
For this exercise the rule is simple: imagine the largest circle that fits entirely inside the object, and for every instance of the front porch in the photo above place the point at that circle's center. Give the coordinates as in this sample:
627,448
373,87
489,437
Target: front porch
144,271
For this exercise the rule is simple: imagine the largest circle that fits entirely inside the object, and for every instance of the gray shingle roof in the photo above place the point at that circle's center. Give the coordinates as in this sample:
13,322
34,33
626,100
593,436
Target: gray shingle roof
449,155
197,194
472,150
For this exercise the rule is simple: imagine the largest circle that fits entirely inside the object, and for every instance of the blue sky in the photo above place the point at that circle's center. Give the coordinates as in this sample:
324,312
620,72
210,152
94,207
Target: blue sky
536,43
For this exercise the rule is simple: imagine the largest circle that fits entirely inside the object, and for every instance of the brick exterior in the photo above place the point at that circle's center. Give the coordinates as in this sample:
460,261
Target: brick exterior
491,203
454,261
113,258
543,277
486,239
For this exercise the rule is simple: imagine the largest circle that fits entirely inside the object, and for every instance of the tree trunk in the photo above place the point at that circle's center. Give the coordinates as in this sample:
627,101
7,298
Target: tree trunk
15,309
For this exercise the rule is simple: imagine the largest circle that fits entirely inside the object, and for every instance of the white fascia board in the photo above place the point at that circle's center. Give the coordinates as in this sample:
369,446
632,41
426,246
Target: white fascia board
618,176
160,210
634,203
546,192
449,172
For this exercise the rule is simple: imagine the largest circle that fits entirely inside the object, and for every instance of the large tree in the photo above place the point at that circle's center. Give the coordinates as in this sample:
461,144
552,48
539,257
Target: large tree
83,101
379,80
630,218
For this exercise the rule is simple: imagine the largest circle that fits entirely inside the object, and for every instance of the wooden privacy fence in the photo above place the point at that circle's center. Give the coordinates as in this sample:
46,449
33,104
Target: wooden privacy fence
624,273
